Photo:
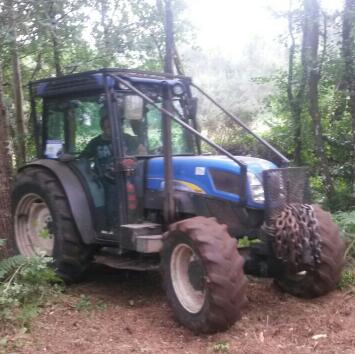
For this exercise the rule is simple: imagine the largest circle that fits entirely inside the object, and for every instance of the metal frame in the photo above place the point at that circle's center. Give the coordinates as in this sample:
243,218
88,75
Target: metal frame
117,145
168,174
284,160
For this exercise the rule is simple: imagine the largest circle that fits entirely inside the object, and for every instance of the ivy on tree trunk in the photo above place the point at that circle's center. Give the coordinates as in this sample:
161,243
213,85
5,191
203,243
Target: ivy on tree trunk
5,170
20,145
348,51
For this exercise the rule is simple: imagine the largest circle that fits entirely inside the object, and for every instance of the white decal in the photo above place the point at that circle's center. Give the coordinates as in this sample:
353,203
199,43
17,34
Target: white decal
200,171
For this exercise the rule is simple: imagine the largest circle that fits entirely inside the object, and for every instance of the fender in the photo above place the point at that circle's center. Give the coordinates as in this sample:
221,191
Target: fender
75,194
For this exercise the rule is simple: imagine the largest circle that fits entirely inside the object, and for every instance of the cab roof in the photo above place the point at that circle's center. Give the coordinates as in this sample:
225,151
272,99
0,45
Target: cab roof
94,80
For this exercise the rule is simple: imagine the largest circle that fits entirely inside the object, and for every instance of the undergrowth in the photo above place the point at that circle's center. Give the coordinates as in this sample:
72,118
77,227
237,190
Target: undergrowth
26,284
346,222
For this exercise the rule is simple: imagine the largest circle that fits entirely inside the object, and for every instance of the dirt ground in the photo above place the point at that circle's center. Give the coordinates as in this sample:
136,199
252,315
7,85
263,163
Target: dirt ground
126,312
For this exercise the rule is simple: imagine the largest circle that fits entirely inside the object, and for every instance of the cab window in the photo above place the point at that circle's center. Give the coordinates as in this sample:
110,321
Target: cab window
70,124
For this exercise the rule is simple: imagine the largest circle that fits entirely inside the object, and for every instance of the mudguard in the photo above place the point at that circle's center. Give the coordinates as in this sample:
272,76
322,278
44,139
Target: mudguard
76,196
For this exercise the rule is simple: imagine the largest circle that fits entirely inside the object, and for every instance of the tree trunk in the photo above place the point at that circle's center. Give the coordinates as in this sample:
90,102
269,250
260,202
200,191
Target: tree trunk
20,145
107,48
56,54
169,38
55,42
177,61
5,171
296,91
313,16
348,51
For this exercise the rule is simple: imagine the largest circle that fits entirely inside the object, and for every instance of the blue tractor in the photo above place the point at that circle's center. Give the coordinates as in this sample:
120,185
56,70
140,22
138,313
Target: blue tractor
119,178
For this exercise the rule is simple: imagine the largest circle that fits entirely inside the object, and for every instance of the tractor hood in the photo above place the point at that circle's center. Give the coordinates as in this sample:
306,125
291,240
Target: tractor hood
216,176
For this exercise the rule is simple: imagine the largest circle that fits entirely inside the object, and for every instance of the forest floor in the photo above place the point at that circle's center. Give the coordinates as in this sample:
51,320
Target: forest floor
126,312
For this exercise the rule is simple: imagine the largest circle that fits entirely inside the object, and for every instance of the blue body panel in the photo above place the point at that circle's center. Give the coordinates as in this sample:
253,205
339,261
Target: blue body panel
196,170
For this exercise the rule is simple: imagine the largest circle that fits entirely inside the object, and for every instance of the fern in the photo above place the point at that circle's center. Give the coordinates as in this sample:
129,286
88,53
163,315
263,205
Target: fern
9,265
346,222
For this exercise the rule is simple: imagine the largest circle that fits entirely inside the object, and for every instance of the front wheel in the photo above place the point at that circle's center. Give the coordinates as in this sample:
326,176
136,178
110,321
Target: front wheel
325,275
203,275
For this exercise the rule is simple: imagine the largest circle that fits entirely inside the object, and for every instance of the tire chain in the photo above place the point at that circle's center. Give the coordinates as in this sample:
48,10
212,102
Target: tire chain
296,235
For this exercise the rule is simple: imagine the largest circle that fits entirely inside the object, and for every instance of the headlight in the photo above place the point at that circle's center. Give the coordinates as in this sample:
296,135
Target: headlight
226,182
256,188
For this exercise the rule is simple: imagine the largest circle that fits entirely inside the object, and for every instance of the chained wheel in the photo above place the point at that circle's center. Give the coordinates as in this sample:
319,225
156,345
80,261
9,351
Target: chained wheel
309,281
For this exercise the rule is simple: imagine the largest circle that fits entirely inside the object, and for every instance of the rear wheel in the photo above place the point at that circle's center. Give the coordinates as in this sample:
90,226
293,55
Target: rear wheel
323,277
43,223
203,275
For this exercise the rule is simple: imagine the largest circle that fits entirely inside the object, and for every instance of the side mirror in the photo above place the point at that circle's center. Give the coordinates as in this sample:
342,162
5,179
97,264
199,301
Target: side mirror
192,107
133,107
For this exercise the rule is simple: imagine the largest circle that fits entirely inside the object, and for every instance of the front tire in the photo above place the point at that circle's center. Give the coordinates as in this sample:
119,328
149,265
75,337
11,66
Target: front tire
203,275
324,277
43,223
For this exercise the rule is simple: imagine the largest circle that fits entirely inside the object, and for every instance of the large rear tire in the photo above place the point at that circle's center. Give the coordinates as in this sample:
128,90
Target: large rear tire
324,277
203,275
43,223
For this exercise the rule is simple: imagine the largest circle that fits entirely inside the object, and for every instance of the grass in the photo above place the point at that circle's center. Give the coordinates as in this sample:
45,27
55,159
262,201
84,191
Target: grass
346,222
221,347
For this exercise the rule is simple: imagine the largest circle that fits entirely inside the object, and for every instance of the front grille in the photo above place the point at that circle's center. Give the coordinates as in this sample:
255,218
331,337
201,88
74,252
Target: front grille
226,181
285,186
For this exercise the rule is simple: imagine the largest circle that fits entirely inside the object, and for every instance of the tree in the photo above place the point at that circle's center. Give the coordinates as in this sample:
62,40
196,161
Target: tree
296,86
312,63
5,169
348,52
12,11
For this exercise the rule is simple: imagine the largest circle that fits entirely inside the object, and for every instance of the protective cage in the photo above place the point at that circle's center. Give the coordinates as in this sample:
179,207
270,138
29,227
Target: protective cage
284,186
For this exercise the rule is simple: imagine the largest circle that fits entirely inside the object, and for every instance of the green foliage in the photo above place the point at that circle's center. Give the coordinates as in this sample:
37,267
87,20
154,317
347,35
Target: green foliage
334,104
25,285
347,279
84,303
10,265
346,222
100,305
221,347
247,242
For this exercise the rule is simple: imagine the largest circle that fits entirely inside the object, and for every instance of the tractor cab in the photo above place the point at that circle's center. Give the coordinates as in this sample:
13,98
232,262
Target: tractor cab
106,133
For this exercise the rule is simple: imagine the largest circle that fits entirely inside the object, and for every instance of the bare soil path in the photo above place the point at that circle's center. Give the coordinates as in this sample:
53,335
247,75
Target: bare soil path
125,312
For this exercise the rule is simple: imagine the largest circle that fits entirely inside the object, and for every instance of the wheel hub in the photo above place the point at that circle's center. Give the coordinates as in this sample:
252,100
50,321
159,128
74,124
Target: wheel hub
187,276
34,232
196,276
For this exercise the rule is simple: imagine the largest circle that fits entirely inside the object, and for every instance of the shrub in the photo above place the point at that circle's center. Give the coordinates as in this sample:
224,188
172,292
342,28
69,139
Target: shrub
346,222
25,285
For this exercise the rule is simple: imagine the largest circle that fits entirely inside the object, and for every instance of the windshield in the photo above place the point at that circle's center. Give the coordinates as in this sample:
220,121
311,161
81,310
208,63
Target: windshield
144,121
72,124
182,140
